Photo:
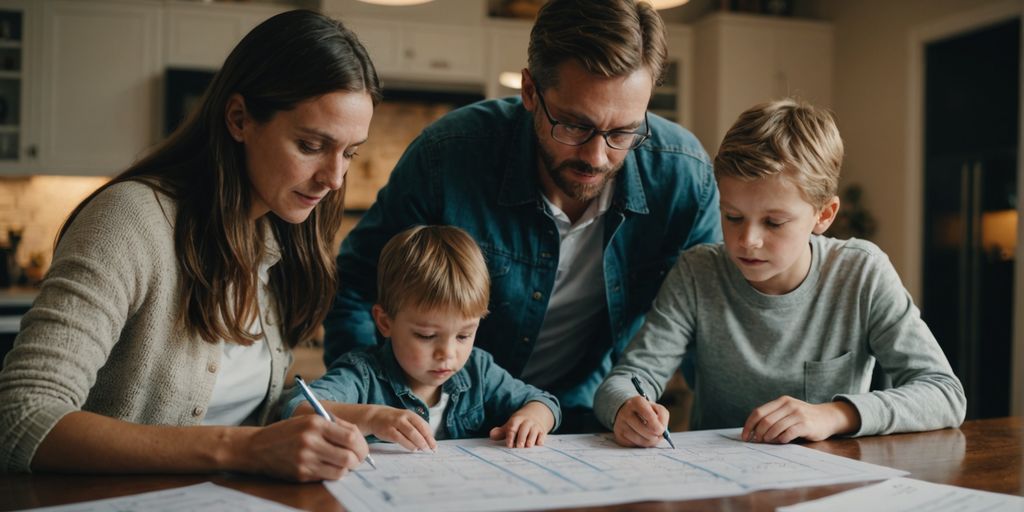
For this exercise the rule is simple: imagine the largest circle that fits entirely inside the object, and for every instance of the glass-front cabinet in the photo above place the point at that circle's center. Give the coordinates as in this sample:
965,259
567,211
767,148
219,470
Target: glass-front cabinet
18,22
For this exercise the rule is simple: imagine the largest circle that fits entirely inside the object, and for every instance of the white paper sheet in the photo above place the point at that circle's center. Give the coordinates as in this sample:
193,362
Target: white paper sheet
207,497
907,494
582,470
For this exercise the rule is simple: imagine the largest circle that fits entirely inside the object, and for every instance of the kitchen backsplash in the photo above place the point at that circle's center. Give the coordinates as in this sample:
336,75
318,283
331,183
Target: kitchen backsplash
38,206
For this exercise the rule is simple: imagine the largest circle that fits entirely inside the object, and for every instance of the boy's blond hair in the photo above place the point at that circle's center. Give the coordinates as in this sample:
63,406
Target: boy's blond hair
788,137
433,267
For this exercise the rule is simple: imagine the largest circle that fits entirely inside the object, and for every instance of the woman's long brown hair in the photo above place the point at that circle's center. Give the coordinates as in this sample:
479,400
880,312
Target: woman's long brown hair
290,58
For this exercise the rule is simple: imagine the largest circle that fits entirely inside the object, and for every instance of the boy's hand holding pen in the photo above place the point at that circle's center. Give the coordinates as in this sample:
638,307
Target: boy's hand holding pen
641,422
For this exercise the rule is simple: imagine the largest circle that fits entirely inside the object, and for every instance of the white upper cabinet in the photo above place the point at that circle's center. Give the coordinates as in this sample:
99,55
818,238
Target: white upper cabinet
200,35
102,69
742,60
406,51
507,44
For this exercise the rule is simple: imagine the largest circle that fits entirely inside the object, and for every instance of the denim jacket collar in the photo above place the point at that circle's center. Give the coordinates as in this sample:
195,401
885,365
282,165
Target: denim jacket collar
458,383
517,189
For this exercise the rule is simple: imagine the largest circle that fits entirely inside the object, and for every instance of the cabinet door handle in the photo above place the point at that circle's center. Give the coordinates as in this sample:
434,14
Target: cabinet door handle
32,151
439,64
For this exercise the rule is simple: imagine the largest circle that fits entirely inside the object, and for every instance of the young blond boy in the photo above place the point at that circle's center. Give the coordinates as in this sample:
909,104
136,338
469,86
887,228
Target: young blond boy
785,324
427,382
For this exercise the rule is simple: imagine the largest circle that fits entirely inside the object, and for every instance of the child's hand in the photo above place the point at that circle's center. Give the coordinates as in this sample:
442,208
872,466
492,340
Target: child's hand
401,426
527,427
640,422
786,418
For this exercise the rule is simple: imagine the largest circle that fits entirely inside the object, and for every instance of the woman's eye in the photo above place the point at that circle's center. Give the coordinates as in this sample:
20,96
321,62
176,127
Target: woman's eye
733,218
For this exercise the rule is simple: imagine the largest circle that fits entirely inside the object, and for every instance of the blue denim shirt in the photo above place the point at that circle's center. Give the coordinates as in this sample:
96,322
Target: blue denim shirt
477,168
482,395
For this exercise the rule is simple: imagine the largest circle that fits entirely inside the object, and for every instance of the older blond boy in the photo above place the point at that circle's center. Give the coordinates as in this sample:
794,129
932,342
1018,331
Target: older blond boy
427,382
786,324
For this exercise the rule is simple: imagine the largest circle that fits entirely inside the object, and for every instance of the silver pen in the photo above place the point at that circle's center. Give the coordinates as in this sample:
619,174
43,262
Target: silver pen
311,398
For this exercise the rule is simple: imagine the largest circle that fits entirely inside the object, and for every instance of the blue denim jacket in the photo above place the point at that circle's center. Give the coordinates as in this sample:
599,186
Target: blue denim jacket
476,168
482,395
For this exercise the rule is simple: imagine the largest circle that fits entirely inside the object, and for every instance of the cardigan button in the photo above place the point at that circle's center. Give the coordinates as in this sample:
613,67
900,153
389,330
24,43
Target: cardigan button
197,412
212,367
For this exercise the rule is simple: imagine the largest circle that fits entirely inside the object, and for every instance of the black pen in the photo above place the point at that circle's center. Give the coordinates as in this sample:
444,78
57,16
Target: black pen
319,409
640,389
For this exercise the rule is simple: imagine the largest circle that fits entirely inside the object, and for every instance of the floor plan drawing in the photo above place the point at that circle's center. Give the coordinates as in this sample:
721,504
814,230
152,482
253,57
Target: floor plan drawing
580,470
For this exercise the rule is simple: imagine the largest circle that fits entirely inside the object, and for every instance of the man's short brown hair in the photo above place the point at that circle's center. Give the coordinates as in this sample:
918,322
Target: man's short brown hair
788,137
609,38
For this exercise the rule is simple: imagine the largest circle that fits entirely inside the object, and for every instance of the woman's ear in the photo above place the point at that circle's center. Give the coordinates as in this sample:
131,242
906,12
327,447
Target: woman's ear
383,321
235,117
827,215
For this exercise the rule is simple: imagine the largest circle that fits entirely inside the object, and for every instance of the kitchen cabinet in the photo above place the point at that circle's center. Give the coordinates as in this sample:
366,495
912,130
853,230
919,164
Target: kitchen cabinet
507,44
101,75
200,35
19,30
422,52
742,60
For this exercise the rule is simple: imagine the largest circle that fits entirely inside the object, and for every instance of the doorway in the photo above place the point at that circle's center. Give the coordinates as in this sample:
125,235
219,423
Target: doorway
971,139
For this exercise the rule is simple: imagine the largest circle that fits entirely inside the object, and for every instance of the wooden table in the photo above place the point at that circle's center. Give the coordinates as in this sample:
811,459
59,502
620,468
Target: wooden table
982,454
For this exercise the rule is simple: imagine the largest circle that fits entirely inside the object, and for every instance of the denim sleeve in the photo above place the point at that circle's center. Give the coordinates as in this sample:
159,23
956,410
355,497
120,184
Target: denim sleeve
505,394
707,227
346,382
405,201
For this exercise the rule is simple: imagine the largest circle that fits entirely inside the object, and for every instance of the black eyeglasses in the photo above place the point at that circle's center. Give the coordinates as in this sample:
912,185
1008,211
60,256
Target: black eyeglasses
578,135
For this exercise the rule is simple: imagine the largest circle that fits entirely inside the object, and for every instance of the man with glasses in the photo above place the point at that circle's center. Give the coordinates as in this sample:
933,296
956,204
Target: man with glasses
579,198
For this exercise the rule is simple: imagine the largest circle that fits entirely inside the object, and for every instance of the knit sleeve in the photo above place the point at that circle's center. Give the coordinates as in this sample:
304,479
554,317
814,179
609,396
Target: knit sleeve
99,277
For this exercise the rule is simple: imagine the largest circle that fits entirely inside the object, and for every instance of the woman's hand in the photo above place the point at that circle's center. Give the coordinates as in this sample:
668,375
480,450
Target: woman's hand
305,448
400,426
528,427
640,423
784,419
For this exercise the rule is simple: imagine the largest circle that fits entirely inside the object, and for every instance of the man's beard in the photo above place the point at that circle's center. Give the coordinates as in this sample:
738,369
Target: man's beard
582,192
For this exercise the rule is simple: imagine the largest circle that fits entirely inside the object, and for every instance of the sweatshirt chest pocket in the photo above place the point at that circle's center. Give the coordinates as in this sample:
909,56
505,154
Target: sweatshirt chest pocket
826,379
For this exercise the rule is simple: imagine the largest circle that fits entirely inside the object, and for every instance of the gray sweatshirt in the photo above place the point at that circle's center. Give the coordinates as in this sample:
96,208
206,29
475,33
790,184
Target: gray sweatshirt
817,343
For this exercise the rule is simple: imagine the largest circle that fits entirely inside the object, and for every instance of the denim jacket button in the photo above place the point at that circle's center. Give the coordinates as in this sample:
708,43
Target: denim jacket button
537,295
526,339
419,410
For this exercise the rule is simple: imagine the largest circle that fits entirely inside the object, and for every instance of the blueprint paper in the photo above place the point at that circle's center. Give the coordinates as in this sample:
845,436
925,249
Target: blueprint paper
906,494
207,497
583,470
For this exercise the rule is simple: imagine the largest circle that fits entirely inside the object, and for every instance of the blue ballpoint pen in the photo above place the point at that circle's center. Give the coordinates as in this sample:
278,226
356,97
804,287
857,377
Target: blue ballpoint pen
640,389
308,393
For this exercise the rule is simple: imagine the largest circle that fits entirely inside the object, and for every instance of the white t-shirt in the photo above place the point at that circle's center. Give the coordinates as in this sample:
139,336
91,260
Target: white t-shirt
243,376
436,414
578,297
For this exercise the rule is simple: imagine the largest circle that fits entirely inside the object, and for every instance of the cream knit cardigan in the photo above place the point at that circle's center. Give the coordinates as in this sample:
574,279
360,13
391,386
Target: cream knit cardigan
102,335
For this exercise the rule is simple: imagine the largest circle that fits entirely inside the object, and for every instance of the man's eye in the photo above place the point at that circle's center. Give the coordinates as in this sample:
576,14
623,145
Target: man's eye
576,129
308,147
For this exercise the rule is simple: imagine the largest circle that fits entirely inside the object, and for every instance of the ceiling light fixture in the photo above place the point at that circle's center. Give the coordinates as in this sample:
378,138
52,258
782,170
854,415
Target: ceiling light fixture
397,2
662,4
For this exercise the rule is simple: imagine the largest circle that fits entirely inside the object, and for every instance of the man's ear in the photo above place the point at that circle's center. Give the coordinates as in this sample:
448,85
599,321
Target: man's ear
827,215
383,321
528,91
235,116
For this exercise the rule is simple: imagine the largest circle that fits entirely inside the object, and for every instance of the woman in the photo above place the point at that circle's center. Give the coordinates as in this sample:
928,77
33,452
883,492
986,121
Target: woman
162,334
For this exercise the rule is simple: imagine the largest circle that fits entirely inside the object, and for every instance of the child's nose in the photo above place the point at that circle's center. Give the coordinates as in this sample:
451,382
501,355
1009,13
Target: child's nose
750,237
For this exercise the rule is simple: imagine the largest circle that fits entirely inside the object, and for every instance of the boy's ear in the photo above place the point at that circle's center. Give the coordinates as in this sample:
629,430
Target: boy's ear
827,215
383,321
